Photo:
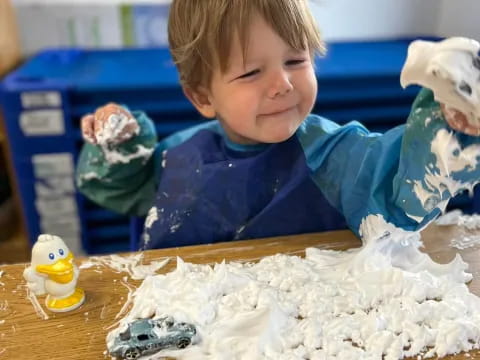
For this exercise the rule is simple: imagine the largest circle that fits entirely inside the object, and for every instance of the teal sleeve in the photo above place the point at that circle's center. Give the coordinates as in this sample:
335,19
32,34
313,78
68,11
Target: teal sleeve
121,178
403,175
125,178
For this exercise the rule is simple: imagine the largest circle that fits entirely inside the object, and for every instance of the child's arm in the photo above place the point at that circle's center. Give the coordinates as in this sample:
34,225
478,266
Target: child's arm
121,163
118,162
407,175
449,157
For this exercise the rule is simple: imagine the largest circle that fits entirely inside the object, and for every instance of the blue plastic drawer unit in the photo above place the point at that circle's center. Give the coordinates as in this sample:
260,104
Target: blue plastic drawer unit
44,99
43,102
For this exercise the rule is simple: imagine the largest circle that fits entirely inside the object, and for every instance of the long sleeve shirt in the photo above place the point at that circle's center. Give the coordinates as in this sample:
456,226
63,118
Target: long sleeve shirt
198,187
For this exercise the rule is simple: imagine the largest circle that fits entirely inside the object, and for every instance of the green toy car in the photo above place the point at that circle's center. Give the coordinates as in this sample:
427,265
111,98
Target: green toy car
148,336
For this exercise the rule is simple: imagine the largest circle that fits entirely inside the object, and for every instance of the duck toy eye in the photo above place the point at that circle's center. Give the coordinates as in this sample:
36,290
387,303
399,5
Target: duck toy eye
61,252
51,256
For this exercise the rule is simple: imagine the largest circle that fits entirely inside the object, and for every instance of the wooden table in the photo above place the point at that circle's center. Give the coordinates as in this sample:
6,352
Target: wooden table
80,334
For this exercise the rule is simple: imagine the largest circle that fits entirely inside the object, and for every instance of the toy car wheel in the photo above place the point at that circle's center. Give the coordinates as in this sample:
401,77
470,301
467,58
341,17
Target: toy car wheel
183,343
132,354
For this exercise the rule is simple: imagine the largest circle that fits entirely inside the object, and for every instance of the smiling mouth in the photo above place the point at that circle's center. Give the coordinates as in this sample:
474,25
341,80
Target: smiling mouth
278,112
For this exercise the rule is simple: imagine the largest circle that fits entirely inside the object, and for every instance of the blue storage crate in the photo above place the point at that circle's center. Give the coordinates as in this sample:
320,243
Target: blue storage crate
43,102
44,99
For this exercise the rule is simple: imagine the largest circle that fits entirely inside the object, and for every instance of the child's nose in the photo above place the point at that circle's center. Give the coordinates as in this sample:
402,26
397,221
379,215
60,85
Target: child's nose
280,85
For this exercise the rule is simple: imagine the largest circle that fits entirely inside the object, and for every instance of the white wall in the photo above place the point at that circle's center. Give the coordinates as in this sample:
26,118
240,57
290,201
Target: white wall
367,19
377,19
98,22
459,18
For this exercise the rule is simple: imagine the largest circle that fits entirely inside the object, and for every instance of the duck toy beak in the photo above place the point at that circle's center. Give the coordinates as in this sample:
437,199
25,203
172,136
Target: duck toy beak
61,271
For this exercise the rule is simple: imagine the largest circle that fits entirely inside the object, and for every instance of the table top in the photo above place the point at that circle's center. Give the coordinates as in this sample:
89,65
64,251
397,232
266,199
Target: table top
80,334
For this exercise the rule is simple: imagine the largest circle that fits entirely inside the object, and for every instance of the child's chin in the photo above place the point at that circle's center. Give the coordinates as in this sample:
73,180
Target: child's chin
279,137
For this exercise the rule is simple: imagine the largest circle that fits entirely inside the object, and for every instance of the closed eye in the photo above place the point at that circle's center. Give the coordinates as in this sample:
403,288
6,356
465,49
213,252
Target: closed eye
295,62
249,74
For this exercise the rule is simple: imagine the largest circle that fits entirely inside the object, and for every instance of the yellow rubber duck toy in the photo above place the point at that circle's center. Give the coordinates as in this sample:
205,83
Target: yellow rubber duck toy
53,272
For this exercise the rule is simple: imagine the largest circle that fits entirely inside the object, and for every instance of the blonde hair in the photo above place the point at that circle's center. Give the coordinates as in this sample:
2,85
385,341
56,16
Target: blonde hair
200,32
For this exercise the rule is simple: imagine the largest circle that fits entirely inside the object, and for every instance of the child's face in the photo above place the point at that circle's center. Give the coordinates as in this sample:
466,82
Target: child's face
266,98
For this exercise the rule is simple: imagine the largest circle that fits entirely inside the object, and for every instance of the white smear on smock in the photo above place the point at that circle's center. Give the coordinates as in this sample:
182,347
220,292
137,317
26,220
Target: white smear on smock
112,156
386,299
152,216
88,176
450,157
1,274
128,264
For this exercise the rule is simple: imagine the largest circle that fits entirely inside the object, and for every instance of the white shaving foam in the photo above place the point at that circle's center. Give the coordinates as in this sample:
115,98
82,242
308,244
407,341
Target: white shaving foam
113,129
36,305
112,156
450,158
468,226
151,218
111,134
451,68
89,176
128,264
386,298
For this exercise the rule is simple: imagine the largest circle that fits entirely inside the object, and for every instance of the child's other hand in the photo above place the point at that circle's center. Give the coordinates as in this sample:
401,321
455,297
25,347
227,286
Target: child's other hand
459,121
109,125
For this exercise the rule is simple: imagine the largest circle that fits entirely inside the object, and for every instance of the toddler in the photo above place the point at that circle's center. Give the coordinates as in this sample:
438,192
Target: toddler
265,166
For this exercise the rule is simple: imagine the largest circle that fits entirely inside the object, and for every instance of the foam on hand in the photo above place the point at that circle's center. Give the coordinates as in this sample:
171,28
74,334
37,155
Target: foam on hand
114,132
114,129
451,69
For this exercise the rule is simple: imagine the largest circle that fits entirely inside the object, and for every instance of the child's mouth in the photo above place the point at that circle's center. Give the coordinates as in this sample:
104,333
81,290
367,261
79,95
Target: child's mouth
278,112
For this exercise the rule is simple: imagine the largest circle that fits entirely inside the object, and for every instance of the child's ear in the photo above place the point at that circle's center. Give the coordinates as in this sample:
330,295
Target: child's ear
200,98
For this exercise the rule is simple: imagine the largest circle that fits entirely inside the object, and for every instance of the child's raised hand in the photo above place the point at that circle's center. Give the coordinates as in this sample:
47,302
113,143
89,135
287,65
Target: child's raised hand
459,121
109,125
451,69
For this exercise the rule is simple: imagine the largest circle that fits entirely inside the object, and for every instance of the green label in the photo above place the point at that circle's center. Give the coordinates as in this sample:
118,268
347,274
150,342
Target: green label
126,13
